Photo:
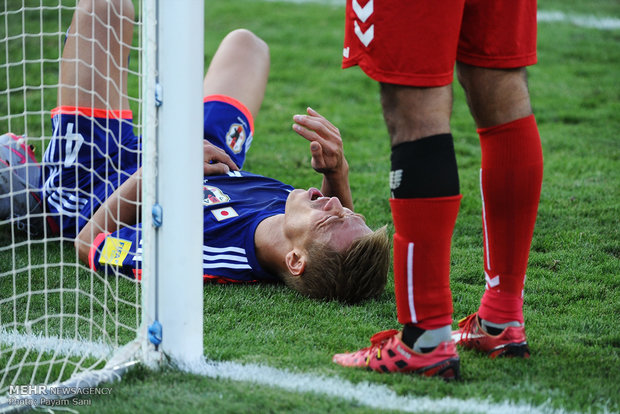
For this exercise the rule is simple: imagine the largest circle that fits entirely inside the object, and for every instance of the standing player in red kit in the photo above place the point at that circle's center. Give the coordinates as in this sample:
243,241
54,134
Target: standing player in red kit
411,49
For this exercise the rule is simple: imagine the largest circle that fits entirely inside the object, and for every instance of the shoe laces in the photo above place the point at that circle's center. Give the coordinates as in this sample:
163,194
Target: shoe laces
466,325
378,341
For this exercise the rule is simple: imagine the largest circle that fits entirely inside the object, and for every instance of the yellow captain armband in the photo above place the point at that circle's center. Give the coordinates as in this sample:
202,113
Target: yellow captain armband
114,251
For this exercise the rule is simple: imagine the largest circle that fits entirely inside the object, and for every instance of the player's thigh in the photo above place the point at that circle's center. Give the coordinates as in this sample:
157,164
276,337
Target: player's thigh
409,43
93,71
498,34
239,69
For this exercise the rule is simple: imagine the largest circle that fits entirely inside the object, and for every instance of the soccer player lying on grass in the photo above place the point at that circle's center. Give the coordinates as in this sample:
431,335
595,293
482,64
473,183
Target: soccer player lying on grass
255,228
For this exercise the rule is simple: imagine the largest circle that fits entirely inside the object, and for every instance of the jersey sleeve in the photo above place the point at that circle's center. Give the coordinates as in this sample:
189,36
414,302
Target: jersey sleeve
118,253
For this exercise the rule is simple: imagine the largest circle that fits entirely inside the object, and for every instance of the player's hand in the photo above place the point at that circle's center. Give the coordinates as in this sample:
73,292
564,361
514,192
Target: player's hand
216,161
325,143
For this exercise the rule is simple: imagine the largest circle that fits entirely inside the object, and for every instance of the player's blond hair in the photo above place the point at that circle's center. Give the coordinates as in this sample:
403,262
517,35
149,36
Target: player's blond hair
355,274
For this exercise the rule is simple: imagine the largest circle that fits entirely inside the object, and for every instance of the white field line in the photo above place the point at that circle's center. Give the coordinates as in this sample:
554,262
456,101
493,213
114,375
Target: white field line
365,393
371,395
546,16
590,22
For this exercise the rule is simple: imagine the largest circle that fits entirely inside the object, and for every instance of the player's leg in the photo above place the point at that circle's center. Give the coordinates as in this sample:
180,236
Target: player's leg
510,176
510,183
93,72
425,201
93,149
93,75
416,96
233,90
239,69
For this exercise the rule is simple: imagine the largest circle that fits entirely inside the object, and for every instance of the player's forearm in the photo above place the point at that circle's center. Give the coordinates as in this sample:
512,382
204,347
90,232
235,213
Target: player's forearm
337,185
119,210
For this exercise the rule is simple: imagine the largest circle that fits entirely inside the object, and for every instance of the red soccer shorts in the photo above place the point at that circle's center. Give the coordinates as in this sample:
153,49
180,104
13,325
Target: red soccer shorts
417,43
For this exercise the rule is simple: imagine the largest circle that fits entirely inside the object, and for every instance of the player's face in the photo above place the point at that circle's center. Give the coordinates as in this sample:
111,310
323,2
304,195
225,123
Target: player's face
310,215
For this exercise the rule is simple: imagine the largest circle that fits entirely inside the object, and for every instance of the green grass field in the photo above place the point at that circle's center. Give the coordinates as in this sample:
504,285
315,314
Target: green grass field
572,293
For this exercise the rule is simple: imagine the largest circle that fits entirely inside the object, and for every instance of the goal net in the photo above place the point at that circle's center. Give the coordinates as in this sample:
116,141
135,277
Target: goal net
81,109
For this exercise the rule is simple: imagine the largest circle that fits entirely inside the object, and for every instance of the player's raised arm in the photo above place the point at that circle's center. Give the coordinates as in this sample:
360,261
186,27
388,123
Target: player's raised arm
327,154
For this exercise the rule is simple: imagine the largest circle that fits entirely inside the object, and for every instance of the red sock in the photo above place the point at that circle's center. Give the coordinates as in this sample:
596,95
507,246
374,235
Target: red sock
422,240
510,182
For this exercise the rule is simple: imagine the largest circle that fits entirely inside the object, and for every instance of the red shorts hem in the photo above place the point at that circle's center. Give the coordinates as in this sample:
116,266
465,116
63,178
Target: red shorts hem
510,62
407,79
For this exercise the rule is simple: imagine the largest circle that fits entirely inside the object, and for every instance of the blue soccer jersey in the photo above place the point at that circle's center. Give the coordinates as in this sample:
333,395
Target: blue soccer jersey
94,151
234,204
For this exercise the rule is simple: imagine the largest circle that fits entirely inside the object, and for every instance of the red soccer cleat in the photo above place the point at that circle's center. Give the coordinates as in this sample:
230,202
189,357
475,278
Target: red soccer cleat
389,354
511,342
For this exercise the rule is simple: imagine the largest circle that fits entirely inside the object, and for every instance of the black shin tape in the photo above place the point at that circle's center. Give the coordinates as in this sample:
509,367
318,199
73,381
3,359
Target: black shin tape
424,168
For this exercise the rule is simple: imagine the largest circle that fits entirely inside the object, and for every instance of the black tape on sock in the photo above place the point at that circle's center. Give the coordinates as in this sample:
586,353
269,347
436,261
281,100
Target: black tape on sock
425,168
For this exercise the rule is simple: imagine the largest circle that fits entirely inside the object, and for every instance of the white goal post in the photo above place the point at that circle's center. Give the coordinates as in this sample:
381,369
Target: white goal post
61,323
175,195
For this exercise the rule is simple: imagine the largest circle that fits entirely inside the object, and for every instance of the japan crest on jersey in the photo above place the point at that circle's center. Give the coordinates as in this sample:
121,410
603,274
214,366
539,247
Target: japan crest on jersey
235,138
213,195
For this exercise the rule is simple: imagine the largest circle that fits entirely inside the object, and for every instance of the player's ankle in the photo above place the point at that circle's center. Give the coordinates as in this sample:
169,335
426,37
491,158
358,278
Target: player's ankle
494,328
425,340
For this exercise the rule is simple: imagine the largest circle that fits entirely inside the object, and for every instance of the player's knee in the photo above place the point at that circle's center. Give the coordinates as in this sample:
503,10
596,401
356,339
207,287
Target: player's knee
412,113
248,43
495,96
125,8
479,80
114,8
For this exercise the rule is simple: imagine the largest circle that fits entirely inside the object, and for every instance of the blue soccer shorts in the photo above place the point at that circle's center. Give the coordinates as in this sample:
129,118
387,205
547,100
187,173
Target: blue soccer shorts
91,153
228,124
